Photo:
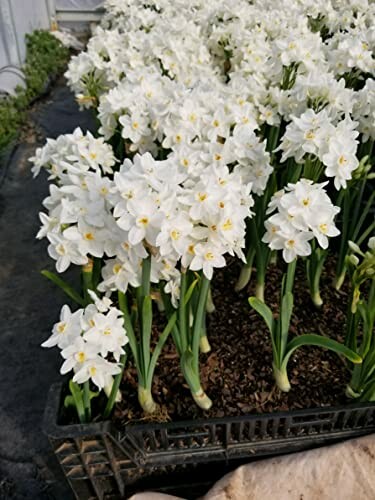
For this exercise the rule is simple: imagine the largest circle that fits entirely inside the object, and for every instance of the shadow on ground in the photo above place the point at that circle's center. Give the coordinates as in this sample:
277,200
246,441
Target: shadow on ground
29,305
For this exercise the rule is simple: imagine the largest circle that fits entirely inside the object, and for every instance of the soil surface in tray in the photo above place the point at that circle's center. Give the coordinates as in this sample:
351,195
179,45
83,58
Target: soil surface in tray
237,373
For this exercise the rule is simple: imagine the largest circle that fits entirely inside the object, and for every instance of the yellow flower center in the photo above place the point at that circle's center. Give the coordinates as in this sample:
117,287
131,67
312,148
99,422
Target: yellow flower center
228,225
221,204
107,331
306,202
342,160
92,370
175,235
218,157
191,249
291,243
93,156
81,357
323,228
216,123
185,162
310,135
89,236
209,256
60,249
116,268
135,125
202,196
144,221
61,327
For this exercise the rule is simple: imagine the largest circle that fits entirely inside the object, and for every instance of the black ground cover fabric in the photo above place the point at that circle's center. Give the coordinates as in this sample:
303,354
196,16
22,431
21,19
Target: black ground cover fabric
29,305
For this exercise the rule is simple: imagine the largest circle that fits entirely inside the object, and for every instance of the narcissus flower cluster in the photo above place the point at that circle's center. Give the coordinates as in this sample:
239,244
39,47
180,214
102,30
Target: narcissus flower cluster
86,338
226,128
304,211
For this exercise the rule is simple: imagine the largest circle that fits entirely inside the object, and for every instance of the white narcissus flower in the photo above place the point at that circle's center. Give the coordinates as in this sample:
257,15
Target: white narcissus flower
64,252
107,333
97,369
175,235
77,354
206,258
66,330
89,240
340,162
86,337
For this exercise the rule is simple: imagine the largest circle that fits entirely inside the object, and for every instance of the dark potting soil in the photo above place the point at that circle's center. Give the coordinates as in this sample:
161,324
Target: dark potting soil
237,373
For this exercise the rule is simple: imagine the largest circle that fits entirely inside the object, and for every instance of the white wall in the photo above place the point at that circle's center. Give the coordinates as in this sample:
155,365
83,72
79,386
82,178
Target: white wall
78,4
18,17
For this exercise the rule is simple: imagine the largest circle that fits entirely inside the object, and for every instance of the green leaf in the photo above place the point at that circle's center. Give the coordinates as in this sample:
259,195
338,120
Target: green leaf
69,401
190,291
190,374
159,346
264,311
319,341
146,330
287,303
77,395
115,387
96,273
65,287
123,304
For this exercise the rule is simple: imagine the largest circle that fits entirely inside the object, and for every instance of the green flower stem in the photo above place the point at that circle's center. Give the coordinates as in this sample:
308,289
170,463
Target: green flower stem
198,319
190,356
289,278
130,334
87,401
115,387
314,268
210,306
246,271
182,312
204,345
78,401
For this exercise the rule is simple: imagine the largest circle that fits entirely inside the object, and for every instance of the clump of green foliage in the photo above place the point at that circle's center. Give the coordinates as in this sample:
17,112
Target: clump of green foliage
45,58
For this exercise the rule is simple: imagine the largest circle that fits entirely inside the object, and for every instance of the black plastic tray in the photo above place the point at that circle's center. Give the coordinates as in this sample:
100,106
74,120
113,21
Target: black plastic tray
185,458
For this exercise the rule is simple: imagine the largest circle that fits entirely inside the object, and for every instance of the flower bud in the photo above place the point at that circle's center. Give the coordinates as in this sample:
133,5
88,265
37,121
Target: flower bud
354,247
353,259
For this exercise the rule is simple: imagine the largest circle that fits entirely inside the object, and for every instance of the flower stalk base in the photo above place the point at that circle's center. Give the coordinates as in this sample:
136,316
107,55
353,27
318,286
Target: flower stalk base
317,299
281,379
351,393
339,281
146,400
204,345
244,278
202,400
259,293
